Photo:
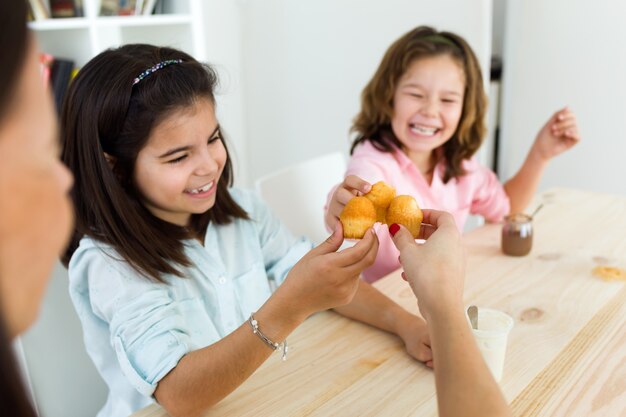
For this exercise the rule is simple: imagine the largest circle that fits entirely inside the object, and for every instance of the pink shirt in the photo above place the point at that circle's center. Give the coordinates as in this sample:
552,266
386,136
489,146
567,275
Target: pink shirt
476,192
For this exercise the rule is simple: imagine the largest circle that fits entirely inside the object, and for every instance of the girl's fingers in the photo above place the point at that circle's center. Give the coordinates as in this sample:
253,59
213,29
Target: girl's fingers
331,244
573,136
356,184
566,124
343,195
367,260
341,198
355,254
565,115
569,134
569,131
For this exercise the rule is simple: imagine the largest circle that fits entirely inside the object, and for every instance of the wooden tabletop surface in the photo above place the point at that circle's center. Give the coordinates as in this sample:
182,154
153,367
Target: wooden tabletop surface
566,354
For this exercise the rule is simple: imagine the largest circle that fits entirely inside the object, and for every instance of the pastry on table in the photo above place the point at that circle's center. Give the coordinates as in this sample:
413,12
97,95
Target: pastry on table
610,273
381,195
404,210
357,216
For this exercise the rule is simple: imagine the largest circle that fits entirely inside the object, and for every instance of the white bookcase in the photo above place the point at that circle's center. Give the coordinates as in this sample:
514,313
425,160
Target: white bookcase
81,38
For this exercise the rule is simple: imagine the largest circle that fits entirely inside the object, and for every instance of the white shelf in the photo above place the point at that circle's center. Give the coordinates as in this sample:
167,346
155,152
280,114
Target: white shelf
152,20
82,38
59,24
109,21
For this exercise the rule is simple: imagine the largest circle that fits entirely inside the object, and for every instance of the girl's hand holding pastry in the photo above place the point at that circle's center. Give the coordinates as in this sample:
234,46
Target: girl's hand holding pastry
350,187
325,278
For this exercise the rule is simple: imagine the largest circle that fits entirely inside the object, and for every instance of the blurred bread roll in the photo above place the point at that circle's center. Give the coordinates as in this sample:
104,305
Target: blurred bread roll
357,216
404,210
381,195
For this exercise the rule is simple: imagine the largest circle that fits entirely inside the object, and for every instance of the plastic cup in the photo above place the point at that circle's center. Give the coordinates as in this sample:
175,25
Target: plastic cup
491,336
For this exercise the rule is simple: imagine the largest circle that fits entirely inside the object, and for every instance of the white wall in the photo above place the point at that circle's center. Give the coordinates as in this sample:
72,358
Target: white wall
498,23
562,52
306,62
222,35
64,380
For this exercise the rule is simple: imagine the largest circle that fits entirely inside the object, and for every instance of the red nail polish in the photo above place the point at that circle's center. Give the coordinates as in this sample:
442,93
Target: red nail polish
393,229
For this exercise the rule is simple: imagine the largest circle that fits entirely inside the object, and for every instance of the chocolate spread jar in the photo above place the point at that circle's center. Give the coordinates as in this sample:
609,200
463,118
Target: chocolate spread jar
517,234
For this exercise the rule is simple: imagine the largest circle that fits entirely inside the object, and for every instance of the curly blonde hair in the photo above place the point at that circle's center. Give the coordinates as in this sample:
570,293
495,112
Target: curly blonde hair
373,123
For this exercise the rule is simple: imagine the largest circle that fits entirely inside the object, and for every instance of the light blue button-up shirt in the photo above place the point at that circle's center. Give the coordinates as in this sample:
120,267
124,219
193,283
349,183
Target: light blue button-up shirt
137,330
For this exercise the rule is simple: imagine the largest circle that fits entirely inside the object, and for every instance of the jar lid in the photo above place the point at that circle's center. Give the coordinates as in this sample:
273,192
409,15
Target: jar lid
518,218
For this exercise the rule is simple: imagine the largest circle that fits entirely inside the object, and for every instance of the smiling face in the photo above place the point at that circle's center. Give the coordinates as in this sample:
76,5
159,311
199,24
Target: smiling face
428,103
178,169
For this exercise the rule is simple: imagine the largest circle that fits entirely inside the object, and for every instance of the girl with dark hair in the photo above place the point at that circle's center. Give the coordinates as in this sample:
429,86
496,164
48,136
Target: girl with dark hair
170,268
421,121
35,213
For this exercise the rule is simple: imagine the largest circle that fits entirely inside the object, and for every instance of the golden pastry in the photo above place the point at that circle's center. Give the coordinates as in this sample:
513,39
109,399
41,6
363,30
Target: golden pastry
404,210
381,195
357,216
609,273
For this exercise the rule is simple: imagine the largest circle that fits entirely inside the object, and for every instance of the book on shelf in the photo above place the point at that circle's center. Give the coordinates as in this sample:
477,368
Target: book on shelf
149,6
118,7
39,9
46,9
56,74
62,8
78,6
45,65
139,7
60,77
127,7
109,7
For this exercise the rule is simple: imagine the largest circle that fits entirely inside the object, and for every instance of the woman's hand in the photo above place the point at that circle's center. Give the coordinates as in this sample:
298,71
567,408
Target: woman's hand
558,135
351,186
436,269
325,278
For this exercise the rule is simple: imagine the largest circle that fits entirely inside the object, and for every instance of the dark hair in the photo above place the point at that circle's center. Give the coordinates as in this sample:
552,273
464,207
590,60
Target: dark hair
13,47
13,399
373,123
105,113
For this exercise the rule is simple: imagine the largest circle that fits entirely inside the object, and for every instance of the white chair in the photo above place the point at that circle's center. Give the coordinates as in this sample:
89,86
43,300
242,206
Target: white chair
297,194
61,377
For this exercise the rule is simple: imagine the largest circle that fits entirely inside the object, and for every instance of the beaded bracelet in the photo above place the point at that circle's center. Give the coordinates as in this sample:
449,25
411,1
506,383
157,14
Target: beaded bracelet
273,345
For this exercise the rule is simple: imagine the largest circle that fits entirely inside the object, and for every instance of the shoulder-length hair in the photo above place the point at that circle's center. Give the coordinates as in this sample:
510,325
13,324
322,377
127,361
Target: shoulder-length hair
106,112
373,123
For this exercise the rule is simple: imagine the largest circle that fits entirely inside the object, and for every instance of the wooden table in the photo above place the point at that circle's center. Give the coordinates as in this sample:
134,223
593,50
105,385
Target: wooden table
566,354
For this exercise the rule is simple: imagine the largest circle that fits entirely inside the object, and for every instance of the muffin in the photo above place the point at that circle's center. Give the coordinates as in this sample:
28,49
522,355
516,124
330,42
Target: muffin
404,210
357,216
381,195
